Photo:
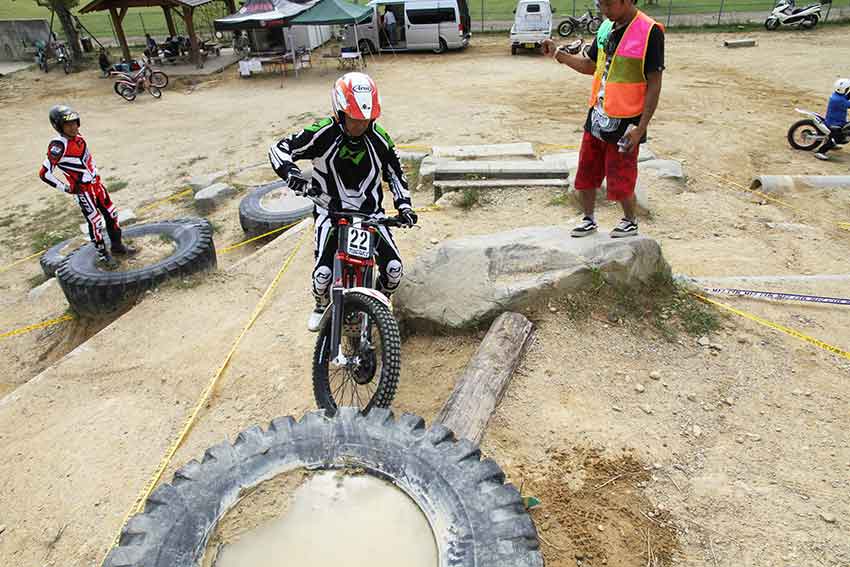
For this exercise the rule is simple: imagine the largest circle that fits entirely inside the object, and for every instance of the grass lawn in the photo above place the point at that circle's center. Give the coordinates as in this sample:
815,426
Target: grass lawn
136,22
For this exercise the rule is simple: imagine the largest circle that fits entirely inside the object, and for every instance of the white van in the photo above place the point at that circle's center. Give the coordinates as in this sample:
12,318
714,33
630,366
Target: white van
435,25
532,24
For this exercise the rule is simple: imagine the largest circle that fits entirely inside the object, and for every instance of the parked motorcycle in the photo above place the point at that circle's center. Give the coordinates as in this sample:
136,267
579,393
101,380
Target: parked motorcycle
809,134
785,13
63,57
129,85
589,22
357,360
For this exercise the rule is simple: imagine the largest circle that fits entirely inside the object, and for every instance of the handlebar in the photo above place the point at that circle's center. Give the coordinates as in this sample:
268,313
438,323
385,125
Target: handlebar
323,200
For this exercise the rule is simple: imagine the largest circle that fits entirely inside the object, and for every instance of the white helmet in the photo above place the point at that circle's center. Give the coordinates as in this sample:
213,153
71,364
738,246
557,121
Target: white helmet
356,95
842,87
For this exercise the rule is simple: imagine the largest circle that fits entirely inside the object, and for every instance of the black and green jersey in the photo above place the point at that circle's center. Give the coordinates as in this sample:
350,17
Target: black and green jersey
350,170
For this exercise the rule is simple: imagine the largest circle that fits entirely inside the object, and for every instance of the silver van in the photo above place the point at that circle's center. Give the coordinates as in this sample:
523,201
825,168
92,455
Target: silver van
434,25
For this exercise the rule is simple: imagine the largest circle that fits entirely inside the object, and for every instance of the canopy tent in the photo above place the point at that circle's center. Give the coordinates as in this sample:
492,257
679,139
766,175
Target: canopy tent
262,14
333,12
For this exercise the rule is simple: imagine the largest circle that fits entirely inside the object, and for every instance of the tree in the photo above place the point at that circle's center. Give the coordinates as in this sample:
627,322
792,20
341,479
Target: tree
62,8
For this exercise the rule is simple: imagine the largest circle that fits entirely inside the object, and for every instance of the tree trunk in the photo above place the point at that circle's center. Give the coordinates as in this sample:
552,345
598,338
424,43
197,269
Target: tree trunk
71,35
481,386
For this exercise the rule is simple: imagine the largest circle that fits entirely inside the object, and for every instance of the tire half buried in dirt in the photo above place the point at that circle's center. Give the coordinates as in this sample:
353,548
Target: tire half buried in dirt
94,292
477,520
260,213
53,257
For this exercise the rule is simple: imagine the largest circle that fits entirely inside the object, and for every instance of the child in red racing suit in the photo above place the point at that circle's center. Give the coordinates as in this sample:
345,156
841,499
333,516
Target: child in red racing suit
69,152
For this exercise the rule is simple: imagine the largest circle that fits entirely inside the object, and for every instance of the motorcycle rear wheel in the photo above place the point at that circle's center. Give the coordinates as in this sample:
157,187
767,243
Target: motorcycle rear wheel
373,381
126,92
155,91
809,22
593,25
804,135
66,65
566,28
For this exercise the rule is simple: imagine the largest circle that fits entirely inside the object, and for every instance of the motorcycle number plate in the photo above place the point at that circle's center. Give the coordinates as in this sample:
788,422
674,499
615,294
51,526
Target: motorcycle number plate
359,243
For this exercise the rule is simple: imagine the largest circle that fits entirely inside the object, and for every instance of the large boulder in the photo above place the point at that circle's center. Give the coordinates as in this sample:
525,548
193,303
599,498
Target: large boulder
467,282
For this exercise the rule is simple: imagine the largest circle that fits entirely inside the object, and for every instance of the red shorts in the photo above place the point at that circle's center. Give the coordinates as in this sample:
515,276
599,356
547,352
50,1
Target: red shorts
598,160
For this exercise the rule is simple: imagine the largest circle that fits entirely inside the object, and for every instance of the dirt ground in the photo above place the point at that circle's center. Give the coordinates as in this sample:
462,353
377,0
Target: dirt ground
736,455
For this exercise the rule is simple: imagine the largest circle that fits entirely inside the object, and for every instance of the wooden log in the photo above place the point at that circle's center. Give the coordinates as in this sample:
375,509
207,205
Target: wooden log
189,19
479,389
740,43
169,21
118,24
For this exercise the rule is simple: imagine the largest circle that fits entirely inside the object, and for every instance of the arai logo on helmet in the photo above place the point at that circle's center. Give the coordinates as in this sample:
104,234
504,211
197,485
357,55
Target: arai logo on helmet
361,88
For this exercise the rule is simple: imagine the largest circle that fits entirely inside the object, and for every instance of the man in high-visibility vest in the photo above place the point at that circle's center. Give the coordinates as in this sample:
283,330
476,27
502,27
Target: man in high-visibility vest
626,60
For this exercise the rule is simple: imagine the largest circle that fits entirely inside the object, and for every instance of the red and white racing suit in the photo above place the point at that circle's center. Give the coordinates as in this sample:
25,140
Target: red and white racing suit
72,157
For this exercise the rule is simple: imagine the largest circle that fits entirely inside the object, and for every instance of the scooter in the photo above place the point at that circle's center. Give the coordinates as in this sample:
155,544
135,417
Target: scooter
589,22
785,13
810,133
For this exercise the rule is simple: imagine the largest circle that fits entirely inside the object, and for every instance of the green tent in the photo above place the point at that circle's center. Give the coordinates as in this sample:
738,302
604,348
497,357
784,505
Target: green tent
333,12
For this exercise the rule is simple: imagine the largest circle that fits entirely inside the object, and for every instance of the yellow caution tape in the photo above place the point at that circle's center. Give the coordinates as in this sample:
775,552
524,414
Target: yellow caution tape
22,260
165,200
841,224
559,146
227,249
36,326
776,326
138,505
413,147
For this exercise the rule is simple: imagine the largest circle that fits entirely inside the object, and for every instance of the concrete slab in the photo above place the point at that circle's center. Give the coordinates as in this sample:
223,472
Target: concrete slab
9,67
441,187
446,170
212,65
521,149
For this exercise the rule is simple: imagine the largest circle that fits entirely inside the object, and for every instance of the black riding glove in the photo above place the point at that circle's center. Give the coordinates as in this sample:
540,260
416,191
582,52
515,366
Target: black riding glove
296,182
409,215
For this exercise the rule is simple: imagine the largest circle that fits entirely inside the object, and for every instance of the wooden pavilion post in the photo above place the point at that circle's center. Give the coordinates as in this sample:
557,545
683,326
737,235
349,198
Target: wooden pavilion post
188,17
169,21
118,24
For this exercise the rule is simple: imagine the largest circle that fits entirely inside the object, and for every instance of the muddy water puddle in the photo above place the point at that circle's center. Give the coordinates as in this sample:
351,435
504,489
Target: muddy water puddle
336,519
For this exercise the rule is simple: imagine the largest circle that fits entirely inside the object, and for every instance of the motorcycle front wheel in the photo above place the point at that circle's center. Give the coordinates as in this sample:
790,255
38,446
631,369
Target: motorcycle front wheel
566,28
593,25
804,135
155,91
371,376
771,24
66,66
159,79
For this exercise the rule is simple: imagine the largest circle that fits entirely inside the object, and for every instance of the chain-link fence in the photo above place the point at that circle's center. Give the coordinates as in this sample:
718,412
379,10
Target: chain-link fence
493,15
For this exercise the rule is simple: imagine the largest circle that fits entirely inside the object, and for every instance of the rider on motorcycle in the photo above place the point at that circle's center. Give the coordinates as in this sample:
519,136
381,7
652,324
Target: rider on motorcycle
836,117
351,153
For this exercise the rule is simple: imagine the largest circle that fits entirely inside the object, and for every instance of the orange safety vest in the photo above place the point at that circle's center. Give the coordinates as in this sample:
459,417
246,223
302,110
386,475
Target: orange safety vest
625,87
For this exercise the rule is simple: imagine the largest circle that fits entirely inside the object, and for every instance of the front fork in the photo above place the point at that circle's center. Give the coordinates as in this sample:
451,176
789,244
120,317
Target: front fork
337,316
